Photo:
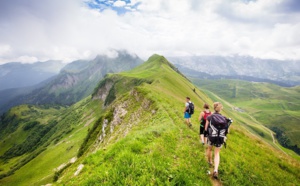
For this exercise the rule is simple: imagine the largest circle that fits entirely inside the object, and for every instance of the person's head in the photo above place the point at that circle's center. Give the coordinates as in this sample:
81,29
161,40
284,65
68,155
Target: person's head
188,99
218,106
206,106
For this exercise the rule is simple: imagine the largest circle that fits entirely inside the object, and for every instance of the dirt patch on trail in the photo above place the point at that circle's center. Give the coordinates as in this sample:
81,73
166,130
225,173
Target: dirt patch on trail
215,182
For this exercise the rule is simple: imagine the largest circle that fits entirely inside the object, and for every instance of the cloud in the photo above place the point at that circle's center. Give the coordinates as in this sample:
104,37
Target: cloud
80,29
4,49
119,3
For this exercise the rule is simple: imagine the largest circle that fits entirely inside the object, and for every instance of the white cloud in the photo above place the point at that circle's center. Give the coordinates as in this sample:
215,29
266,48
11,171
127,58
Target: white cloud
69,30
4,49
119,3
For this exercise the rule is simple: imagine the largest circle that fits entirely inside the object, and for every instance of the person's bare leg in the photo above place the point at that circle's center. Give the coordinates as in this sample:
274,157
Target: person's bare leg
205,140
209,154
187,122
217,158
202,138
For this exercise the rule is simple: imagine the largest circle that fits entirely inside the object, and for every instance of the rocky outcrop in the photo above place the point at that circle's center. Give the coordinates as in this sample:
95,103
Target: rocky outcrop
103,90
79,169
103,134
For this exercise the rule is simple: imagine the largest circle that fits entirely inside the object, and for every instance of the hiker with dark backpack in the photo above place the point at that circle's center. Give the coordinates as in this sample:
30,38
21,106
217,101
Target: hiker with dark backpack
202,118
188,111
217,128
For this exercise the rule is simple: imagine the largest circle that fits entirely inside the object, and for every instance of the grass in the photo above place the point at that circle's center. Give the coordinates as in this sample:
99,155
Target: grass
271,105
159,149
41,169
147,143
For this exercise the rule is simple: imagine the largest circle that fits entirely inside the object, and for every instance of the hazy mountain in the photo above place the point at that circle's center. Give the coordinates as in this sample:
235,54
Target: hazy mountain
16,75
203,75
131,132
76,80
285,72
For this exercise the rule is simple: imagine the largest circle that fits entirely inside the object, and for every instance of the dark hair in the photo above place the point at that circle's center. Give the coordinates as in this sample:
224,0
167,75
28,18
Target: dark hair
206,106
188,98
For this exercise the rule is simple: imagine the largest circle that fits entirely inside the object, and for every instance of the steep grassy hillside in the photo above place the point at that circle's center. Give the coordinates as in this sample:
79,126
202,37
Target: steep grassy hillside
131,132
145,142
37,141
275,107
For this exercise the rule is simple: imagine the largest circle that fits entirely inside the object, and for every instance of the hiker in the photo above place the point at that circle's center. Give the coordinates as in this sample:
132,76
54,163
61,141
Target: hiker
217,127
202,118
188,111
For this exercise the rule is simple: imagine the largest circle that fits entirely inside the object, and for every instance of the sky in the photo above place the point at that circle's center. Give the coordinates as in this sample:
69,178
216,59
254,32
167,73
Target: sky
40,30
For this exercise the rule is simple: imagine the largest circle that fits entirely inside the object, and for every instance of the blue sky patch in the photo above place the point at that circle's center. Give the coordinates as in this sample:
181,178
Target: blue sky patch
120,6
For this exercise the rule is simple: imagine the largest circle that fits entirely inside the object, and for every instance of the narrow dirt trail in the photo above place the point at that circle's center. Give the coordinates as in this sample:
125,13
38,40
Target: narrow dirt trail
215,182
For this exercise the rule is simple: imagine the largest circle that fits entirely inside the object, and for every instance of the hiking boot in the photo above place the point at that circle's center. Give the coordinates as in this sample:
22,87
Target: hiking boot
190,125
210,164
215,175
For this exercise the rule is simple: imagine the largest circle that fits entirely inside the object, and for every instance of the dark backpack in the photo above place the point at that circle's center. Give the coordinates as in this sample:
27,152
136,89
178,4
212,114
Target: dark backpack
190,110
218,129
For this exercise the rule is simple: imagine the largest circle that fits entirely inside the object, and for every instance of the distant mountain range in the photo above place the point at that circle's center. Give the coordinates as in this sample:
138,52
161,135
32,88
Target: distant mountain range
74,82
53,83
16,75
286,73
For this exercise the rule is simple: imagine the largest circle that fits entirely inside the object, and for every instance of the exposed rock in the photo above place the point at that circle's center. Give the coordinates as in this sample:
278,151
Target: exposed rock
146,103
79,169
67,82
119,113
103,91
102,135
153,112
73,160
135,94
60,167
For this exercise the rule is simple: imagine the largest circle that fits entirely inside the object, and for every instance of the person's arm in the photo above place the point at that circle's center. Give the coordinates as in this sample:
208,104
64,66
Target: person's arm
201,116
185,108
206,125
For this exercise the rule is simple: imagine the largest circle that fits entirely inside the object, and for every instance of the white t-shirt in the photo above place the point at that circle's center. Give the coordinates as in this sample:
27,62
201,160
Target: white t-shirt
187,104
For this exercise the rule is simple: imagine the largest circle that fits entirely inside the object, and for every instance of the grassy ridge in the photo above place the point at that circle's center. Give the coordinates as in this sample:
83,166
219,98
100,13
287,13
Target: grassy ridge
159,149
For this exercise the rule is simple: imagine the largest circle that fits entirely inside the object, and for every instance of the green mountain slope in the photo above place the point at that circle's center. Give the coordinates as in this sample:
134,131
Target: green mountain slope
131,132
275,107
151,145
76,80
36,141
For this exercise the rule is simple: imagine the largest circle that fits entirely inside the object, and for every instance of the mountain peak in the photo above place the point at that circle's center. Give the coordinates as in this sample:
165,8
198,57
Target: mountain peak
155,62
155,58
